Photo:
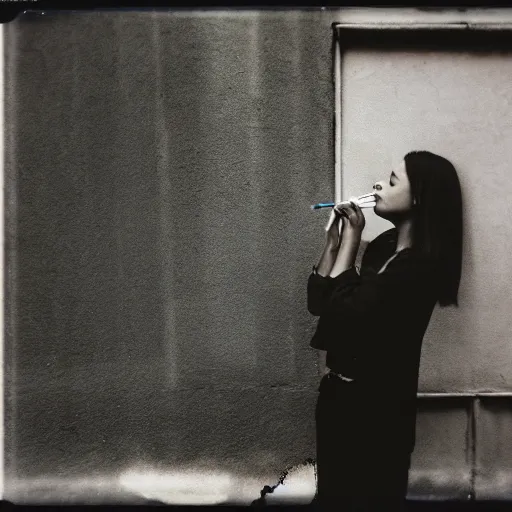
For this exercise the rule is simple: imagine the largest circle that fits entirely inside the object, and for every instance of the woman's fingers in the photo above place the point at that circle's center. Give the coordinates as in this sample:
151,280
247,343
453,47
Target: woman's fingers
359,219
351,212
346,208
333,219
353,202
340,207
360,213
355,214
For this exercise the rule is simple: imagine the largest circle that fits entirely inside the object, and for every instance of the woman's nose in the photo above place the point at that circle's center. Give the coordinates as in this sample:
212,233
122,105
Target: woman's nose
377,187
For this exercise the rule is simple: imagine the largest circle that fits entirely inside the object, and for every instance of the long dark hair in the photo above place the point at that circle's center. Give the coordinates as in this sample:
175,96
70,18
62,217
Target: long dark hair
437,215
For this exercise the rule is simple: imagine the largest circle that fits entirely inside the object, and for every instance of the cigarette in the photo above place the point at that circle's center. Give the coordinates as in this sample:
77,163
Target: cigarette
367,200
371,204
364,201
322,205
367,195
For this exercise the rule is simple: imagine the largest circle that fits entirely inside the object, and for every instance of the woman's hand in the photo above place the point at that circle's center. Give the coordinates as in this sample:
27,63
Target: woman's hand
353,225
333,230
353,216
332,244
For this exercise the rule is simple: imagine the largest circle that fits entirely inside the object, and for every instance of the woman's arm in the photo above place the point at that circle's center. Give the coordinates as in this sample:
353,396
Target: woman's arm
319,283
339,253
347,253
327,260
332,243
351,238
319,288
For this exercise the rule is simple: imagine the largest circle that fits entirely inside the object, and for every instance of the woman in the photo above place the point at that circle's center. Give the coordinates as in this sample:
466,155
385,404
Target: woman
372,325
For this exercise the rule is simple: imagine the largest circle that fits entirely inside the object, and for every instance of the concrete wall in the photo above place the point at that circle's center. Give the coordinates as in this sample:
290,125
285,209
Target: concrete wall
159,171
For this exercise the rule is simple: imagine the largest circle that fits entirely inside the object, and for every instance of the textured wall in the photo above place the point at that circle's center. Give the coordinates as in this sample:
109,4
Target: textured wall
159,171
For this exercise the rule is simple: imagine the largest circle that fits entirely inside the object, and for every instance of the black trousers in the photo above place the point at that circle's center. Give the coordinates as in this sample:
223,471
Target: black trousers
362,465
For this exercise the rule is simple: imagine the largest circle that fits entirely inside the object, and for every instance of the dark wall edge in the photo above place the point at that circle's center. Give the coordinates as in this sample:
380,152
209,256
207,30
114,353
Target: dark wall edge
428,36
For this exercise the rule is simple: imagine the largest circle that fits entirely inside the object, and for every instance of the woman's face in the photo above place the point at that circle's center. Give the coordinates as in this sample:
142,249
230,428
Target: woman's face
393,196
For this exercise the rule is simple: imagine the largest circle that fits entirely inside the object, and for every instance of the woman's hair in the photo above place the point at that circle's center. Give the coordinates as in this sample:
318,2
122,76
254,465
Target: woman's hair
435,188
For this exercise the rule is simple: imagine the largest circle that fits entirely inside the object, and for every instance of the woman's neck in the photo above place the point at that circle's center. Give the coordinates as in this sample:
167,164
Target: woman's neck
405,234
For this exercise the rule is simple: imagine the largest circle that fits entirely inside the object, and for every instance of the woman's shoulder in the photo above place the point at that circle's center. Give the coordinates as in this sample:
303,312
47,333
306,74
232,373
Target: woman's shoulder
383,247
384,242
417,262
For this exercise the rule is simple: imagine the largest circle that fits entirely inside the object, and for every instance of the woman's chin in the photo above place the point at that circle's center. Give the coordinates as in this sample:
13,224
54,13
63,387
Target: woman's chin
380,213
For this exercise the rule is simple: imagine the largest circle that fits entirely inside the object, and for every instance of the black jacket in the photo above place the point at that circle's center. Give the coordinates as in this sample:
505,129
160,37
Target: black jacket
372,325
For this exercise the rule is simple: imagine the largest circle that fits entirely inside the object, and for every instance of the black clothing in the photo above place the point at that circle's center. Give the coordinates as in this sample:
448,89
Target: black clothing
356,469
372,326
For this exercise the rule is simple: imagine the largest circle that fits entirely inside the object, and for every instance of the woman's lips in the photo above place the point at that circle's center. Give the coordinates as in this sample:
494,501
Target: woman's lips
377,196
